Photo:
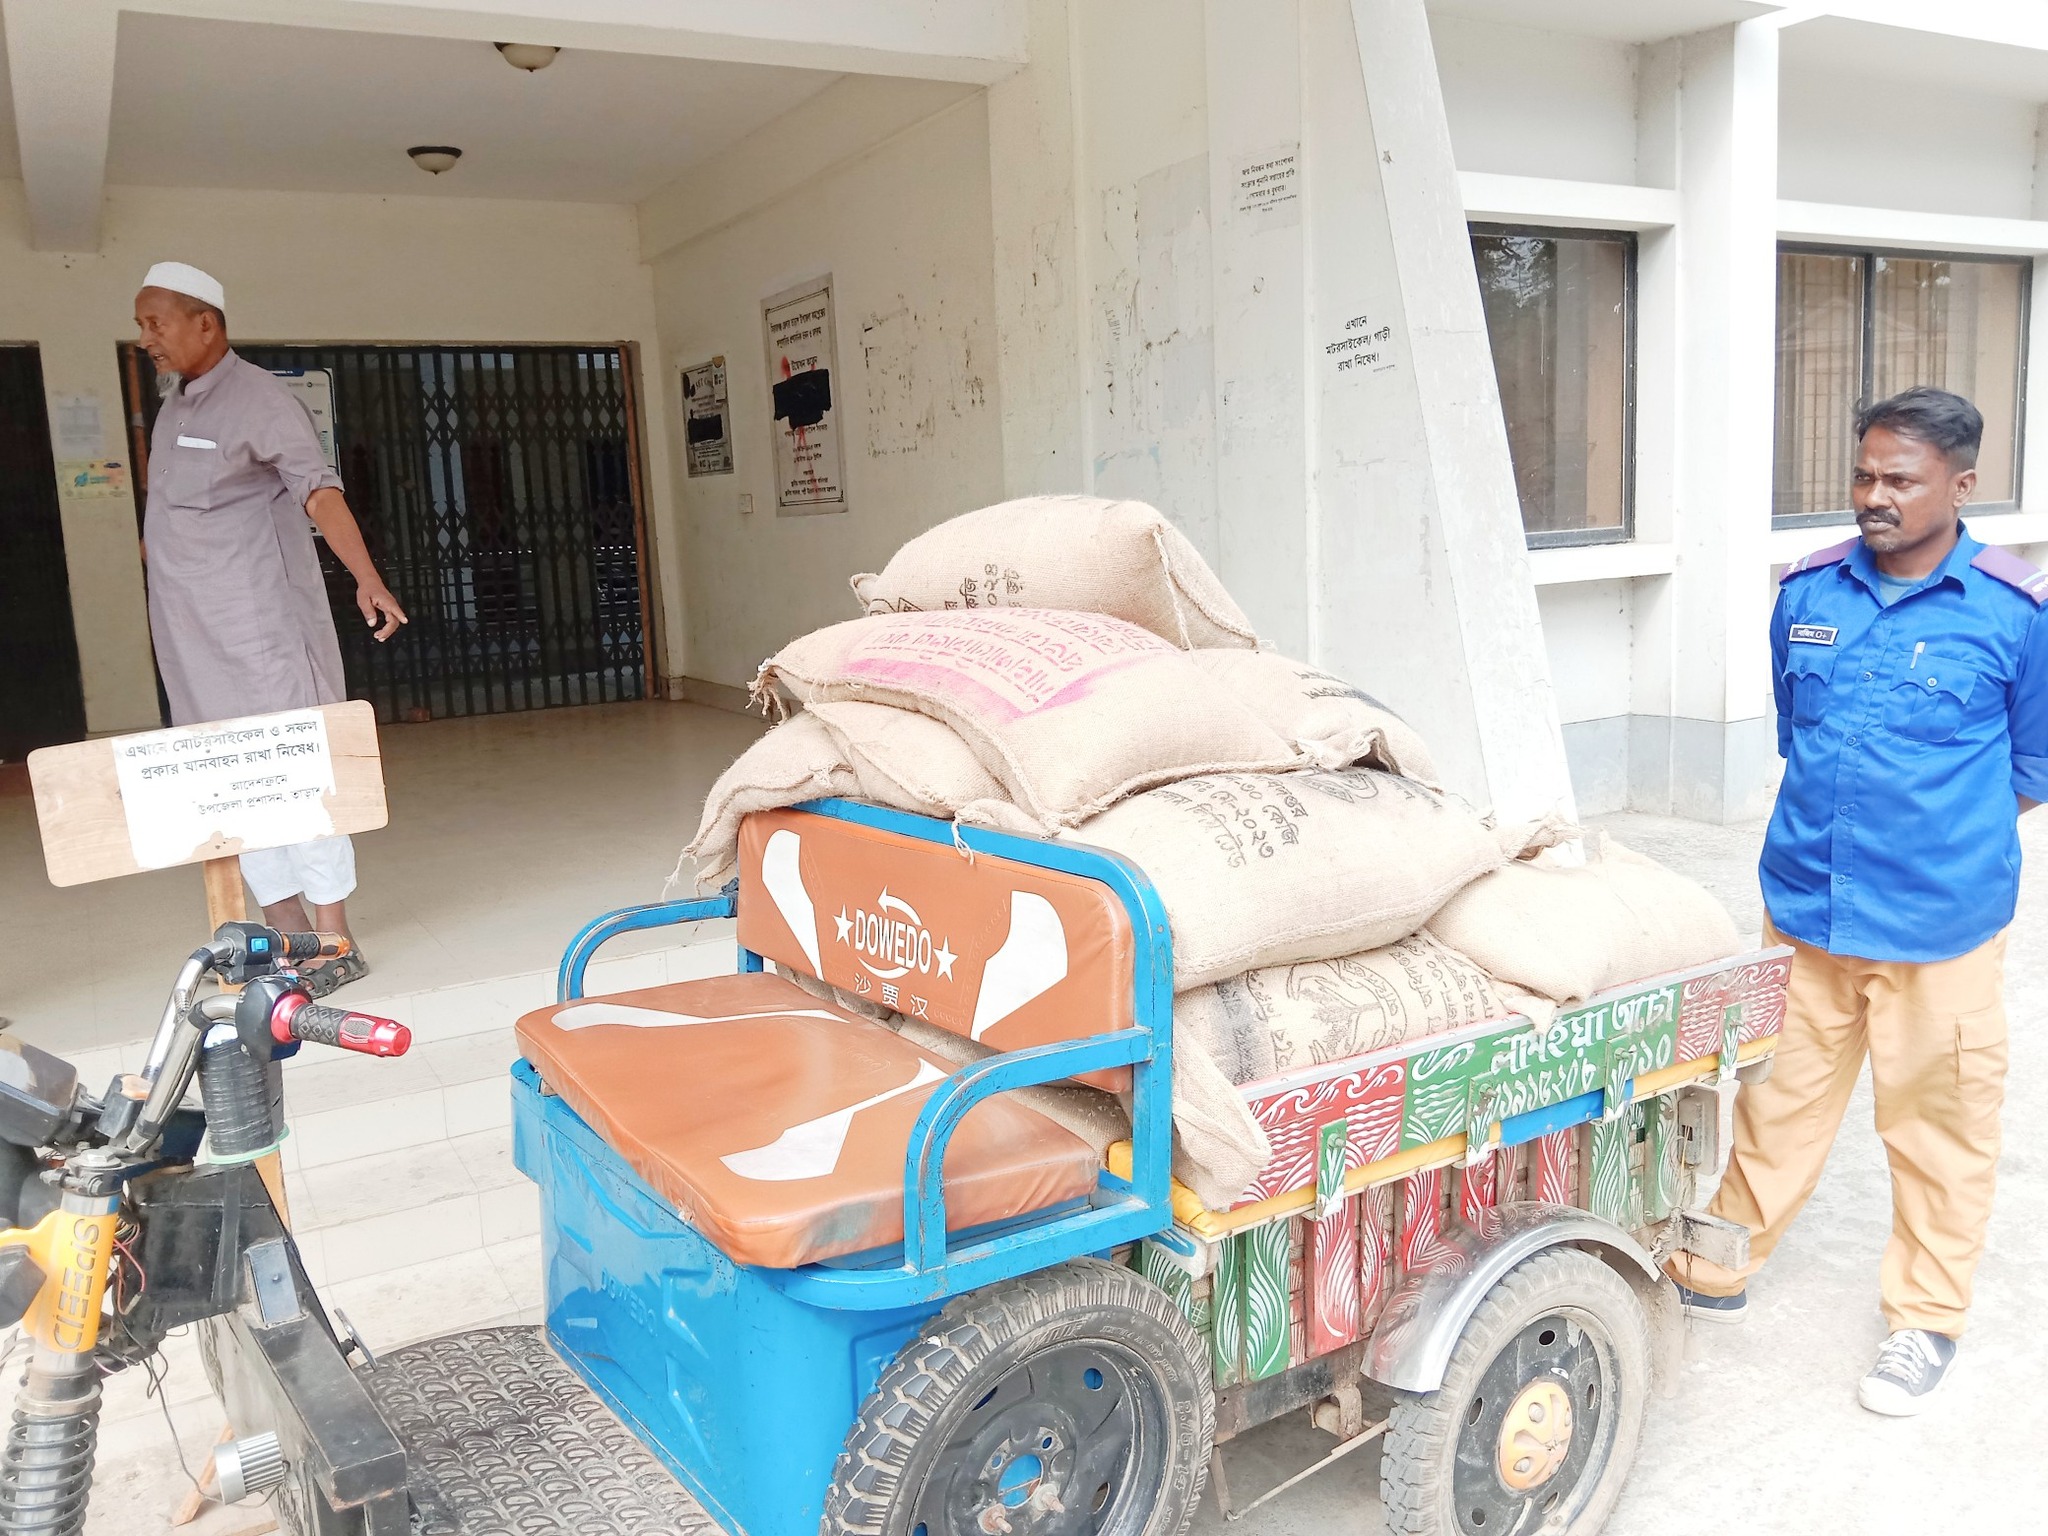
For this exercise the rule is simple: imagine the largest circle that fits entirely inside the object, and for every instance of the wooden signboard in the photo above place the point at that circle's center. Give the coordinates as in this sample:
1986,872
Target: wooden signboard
194,793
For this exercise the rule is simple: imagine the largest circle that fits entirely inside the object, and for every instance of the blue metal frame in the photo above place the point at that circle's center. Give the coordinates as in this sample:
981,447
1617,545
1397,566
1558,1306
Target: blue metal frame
1120,1211
583,948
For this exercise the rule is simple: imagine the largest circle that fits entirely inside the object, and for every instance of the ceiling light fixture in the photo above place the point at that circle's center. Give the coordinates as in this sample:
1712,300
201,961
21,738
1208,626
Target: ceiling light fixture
434,158
527,56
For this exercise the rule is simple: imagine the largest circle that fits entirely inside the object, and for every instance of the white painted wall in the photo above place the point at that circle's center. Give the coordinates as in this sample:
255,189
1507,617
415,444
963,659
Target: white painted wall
904,232
1145,238
307,267
1529,103
1846,140
1586,628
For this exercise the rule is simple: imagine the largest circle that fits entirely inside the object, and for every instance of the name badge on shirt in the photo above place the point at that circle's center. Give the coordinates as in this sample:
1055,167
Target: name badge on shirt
196,442
1802,634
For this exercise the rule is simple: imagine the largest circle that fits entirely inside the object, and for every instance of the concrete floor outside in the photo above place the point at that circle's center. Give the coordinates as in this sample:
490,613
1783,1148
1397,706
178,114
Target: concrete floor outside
507,833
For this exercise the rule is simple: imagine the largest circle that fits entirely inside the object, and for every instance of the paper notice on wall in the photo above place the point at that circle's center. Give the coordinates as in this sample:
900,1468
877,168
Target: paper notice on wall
77,421
93,479
1364,346
707,425
262,781
802,379
1268,186
313,388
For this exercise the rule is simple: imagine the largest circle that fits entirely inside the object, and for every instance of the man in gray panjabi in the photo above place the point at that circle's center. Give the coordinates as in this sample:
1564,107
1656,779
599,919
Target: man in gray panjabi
237,606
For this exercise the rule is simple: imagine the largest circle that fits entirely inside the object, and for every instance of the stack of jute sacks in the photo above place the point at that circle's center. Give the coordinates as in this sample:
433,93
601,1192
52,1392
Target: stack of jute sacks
1070,667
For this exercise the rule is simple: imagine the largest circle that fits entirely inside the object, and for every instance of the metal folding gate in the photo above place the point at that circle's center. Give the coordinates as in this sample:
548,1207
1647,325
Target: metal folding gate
498,491
42,701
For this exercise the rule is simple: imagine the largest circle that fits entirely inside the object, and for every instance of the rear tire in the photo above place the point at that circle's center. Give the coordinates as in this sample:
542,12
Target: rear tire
1069,1402
1560,1346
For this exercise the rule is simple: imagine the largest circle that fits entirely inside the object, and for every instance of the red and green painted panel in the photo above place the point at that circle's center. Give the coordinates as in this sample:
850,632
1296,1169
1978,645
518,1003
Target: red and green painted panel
1602,1046
1365,1097
1755,993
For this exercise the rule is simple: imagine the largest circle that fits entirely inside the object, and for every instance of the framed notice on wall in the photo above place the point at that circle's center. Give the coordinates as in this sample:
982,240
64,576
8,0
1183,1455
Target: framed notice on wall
313,388
707,426
802,380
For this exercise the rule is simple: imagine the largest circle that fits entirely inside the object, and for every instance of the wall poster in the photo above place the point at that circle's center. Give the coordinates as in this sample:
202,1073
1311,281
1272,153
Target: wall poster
313,388
707,427
798,327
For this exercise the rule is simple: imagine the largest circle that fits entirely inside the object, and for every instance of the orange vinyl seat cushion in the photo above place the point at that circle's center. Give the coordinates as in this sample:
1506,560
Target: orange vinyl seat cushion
777,1124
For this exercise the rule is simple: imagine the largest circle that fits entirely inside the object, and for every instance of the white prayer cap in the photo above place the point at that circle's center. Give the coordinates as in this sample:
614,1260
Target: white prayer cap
188,280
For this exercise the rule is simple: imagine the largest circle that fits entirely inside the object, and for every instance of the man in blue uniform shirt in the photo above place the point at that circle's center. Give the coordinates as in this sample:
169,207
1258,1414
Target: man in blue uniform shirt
1911,667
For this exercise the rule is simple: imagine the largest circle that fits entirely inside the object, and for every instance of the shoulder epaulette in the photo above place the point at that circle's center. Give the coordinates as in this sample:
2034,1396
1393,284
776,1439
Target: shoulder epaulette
2002,565
1834,554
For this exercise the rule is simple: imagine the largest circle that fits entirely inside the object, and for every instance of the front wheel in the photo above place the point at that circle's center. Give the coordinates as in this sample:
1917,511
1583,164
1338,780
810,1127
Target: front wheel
1069,1403
1536,1423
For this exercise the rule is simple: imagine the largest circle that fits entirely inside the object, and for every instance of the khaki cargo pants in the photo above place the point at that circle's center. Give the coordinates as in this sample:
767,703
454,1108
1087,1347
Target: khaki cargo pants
1935,1036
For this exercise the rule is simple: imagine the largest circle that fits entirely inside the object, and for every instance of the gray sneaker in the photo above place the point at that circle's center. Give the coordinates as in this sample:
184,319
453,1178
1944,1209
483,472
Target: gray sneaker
1910,1369
1702,1308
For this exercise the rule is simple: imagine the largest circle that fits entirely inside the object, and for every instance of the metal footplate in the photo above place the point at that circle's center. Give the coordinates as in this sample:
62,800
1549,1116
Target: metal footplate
502,1439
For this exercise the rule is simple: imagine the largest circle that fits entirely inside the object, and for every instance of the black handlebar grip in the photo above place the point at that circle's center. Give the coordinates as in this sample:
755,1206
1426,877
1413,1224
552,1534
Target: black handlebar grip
311,946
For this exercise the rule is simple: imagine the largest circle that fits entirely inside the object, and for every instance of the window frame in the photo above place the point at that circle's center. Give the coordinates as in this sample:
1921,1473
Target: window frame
1631,243
1871,255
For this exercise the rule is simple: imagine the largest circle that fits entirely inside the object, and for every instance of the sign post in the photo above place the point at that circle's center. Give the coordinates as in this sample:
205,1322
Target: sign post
205,795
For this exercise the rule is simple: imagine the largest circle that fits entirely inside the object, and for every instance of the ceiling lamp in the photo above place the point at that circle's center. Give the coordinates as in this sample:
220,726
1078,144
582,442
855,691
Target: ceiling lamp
434,158
528,56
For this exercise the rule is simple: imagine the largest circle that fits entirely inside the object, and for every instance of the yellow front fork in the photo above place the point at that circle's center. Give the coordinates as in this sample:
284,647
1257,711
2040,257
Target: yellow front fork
74,1246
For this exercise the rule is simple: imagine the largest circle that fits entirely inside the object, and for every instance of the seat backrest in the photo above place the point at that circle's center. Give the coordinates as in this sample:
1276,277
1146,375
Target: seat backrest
991,948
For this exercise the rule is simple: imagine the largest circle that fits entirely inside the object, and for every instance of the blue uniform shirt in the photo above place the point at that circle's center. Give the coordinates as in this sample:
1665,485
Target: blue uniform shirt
1906,732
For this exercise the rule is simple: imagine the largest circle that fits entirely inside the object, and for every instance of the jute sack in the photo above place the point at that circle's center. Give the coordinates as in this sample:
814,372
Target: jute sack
796,761
1268,869
1218,1148
1283,1018
1567,933
1069,711
912,762
1333,723
1084,553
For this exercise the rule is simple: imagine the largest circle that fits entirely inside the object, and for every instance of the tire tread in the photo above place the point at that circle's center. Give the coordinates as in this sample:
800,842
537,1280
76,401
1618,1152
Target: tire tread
933,1367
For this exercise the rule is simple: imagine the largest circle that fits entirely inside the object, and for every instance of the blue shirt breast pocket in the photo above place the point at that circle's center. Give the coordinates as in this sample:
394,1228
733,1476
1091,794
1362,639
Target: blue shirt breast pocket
1930,699
1808,670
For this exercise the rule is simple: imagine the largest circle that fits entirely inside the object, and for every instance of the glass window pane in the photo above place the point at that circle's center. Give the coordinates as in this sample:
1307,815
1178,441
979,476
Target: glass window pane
1557,317
1954,325
1820,378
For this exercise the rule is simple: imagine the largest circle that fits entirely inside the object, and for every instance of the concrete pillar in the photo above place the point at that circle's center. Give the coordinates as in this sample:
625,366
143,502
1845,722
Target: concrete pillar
1419,574
60,55
1710,758
1260,314
1040,325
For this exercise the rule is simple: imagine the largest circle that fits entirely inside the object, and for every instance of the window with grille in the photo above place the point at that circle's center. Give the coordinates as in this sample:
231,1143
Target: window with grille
1560,315
1858,325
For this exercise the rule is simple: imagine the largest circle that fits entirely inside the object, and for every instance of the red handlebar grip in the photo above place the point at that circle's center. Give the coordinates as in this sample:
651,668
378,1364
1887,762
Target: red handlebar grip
296,1019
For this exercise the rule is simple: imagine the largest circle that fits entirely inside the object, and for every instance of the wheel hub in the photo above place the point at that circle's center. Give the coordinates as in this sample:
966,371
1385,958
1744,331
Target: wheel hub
1532,1437
1535,1435
1049,1450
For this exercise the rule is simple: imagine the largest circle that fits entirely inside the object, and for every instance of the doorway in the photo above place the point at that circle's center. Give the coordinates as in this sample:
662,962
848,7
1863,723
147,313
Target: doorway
42,699
498,490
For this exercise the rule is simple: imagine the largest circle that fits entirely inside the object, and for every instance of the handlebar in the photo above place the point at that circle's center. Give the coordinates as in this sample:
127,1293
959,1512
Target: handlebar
295,1017
241,953
312,946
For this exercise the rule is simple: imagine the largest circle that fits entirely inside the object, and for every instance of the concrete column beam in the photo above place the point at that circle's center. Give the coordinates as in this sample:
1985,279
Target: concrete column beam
1041,327
1419,570
975,44
1722,741
1260,315
60,63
